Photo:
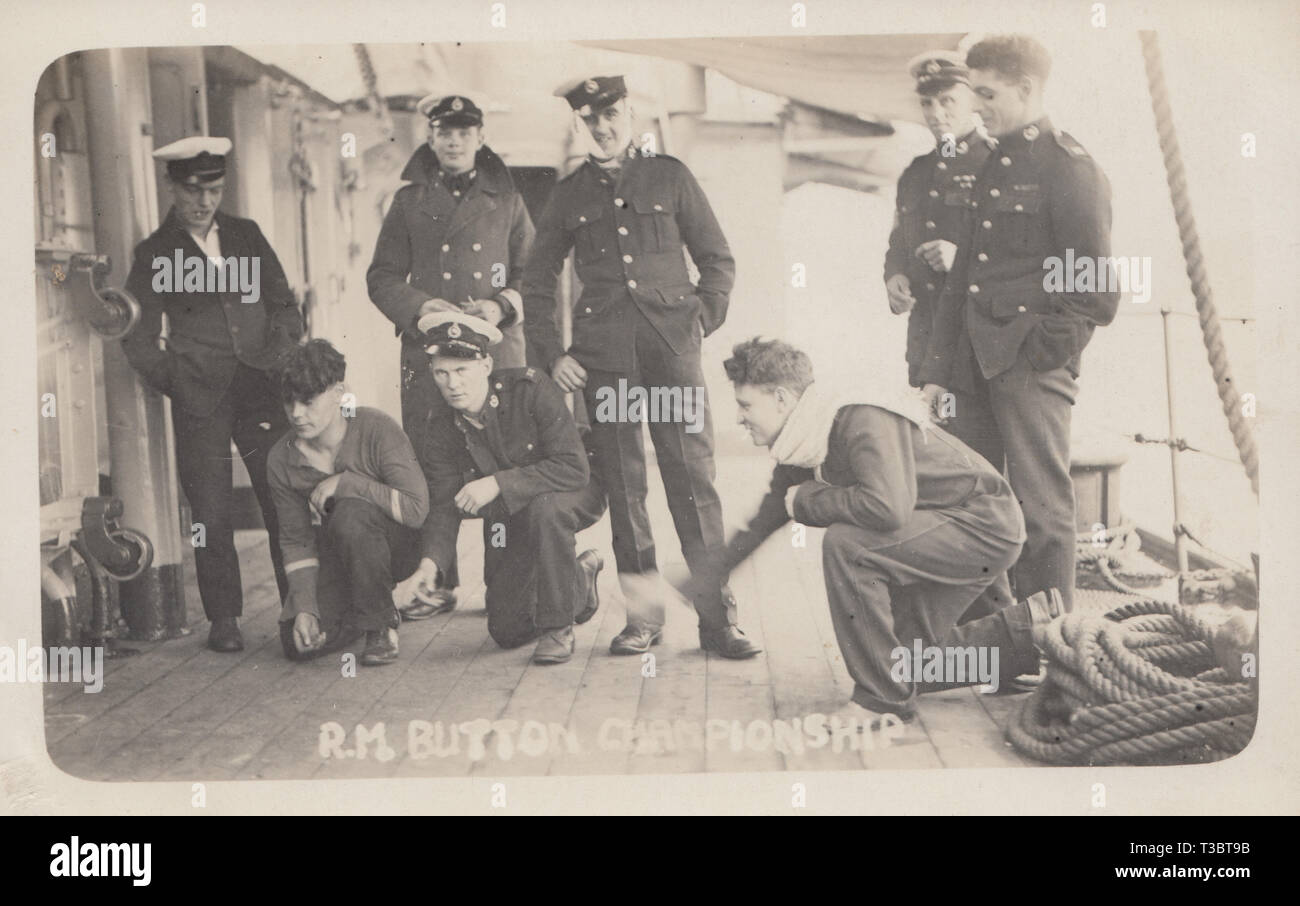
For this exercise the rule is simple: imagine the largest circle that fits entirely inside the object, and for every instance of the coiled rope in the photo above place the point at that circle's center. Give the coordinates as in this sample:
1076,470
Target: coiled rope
1108,559
1138,685
1242,434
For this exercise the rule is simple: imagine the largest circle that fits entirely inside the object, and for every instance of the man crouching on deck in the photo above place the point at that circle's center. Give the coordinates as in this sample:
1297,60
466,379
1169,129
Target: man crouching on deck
917,526
351,499
508,451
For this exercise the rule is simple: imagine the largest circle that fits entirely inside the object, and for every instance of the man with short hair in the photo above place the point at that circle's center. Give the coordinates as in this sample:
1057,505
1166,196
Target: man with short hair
1005,346
917,525
223,339
454,239
506,450
629,217
351,499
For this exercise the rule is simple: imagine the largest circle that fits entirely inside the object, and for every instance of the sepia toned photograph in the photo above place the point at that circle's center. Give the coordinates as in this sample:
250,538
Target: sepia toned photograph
807,401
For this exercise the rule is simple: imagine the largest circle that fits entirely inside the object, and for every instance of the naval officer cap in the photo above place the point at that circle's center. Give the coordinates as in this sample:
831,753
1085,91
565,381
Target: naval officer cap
593,93
457,334
936,70
450,110
199,158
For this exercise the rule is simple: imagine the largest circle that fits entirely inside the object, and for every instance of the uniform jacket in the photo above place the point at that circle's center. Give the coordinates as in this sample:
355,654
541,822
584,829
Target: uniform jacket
879,469
935,199
528,441
209,333
432,246
1039,195
628,233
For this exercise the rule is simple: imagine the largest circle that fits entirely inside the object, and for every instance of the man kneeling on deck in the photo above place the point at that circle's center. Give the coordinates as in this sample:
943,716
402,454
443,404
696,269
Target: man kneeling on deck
917,526
509,452
351,499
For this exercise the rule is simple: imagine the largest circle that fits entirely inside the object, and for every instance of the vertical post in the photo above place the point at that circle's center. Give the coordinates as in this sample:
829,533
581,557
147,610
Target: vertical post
1180,539
139,433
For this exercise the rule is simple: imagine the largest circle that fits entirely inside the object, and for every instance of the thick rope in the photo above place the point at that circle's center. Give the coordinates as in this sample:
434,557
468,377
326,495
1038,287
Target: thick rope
1242,433
1115,561
1137,684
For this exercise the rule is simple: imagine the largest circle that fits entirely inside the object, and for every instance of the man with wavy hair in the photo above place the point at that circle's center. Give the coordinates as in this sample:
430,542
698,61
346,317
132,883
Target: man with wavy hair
351,499
917,525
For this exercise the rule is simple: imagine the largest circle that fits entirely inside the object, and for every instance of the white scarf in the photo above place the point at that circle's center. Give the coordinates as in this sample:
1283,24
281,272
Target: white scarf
806,435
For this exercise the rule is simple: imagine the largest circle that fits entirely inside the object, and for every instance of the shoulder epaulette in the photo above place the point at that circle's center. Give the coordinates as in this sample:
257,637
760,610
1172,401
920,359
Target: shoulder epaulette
1066,141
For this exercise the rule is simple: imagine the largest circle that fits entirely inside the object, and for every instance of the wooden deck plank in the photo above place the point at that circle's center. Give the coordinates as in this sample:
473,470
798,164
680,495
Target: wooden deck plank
803,682
963,733
180,712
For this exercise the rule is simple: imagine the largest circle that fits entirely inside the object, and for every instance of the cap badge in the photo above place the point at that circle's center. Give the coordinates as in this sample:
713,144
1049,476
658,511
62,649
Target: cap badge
457,104
1031,132
453,331
590,86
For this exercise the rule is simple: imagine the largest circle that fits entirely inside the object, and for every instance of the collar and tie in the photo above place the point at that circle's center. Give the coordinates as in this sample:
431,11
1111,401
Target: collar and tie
458,184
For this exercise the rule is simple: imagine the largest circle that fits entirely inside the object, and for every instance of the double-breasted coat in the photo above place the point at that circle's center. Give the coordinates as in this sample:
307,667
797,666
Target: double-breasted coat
433,245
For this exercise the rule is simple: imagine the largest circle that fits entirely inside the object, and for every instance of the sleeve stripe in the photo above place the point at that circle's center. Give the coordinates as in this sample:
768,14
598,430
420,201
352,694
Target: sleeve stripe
300,564
395,502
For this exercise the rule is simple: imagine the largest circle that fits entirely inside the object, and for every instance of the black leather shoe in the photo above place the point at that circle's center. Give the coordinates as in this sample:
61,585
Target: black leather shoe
589,565
728,642
225,635
636,639
381,647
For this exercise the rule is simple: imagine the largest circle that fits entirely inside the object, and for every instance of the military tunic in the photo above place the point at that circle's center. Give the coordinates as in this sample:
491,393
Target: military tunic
529,442
640,320
935,199
1009,348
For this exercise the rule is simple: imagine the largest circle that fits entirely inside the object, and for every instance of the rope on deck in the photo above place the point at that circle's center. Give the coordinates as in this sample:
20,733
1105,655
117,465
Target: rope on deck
1109,560
1138,684
1242,433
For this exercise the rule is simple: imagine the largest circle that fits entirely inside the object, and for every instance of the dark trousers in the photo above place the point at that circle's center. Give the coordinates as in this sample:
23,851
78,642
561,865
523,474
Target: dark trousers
890,589
362,550
685,462
250,414
533,581
421,403
1020,422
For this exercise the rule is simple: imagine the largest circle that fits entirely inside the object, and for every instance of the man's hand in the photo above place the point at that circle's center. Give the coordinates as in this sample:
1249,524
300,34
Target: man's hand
569,374
424,581
431,305
306,632
901,299
790,494
323,493
933,395
477,494
487,309
938,253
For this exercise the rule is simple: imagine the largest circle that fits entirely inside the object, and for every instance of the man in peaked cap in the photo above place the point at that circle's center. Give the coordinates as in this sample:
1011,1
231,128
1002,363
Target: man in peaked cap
506,449
933,208
1005,346
225,336
454,239
934,198
641,321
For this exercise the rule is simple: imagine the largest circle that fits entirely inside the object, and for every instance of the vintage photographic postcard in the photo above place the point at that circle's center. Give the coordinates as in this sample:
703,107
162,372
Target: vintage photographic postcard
650,408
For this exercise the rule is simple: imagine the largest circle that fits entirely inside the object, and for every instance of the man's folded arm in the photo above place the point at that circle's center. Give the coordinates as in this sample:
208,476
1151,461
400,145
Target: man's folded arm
884,492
